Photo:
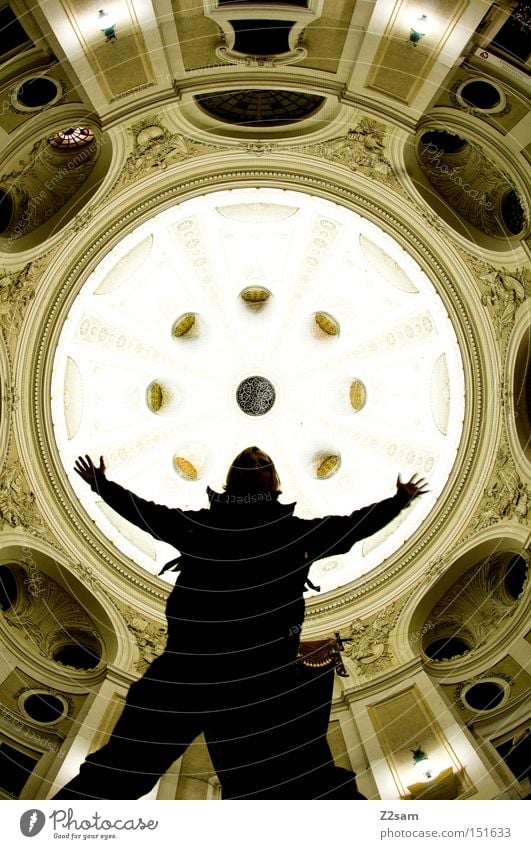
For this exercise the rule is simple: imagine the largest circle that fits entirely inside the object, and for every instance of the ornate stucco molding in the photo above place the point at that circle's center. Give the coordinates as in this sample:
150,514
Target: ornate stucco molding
100,234
503,292
17,288
370,653
361,149
506,496
17,502
150,636
154,148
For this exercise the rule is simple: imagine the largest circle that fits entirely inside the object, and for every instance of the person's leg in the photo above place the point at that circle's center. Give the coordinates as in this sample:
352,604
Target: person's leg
158,723
248,739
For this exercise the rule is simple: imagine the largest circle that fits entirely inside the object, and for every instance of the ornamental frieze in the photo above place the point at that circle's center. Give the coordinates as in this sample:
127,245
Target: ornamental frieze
370,651
506,496
149,636
155,148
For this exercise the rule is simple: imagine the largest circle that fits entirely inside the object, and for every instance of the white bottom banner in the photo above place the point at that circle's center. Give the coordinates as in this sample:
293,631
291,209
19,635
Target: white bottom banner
161,824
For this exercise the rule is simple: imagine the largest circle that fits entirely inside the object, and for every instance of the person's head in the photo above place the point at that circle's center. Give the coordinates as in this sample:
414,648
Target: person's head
252,471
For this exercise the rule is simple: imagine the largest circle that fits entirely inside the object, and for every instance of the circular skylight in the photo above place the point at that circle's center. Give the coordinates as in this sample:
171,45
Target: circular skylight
346,371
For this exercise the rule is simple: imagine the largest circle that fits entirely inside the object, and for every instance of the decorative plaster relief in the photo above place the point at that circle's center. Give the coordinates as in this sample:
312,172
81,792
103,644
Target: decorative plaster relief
155,147
17,288
149,636
360,149
17,502
505,497
370,650
503,294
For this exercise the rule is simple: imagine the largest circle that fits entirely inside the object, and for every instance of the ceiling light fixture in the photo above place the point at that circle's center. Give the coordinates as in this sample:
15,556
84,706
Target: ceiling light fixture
107,24
421,763
419,30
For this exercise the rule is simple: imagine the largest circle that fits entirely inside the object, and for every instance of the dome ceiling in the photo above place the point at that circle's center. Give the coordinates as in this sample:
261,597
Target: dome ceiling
347,373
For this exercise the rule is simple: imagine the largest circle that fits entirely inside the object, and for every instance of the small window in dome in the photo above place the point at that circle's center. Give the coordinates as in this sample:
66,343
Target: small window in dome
443,141
259,107
82,651
513,214
515,576
444,648
44,707
481,95
80,657
13,33
71,138
6,210
36,92
485,695
261,37
513,37
8,588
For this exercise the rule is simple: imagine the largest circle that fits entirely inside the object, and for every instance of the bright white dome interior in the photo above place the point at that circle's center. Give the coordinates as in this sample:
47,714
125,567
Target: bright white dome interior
341,322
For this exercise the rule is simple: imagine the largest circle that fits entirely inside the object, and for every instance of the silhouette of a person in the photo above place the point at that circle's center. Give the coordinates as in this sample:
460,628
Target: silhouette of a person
234,619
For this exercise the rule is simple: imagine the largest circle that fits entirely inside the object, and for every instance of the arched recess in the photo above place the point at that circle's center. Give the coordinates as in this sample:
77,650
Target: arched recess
480,567
518,389
196,119
460,169
33,560
51,185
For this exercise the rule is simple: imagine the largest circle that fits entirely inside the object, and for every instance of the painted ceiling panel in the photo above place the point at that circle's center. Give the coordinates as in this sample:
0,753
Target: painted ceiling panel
400,67
198,35
325,38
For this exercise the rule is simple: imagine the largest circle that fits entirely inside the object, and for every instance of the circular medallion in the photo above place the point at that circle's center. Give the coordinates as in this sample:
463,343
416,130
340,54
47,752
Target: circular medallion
255,395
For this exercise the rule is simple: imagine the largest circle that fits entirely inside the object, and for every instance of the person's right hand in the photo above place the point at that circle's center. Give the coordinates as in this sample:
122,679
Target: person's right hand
87,470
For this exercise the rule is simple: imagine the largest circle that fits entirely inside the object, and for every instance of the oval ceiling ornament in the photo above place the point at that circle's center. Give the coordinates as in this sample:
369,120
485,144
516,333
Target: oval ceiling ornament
326,323
184,325
257,213
328,466
185,468
126,267
386,266
358,395
255,295
155,397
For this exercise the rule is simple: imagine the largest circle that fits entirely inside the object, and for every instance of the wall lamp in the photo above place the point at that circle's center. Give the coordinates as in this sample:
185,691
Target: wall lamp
421,763
419,30
107,24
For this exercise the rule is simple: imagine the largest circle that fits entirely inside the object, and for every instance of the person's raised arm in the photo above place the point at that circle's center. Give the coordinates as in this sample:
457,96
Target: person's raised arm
158,520
333,535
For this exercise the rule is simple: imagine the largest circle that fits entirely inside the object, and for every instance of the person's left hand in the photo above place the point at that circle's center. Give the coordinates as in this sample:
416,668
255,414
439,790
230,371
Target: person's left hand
414,487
